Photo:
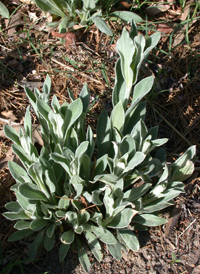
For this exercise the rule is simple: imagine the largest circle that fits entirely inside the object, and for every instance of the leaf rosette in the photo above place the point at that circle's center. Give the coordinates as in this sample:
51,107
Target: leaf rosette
69,191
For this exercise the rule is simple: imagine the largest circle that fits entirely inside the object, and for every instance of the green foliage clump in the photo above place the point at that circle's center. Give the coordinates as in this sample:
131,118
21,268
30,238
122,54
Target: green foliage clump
85,12
87,191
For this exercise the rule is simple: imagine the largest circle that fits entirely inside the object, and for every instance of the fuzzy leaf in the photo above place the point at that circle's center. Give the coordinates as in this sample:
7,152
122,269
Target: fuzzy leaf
118,117
82,256
35,245
149,220
49,242
103,134
12,134
32,192
102,26
115,250
19,235
104,235
85,97
67,237
63,251
122,219
128,16
130,239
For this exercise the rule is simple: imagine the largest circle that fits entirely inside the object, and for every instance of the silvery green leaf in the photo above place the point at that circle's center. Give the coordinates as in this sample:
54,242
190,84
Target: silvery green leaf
72,113
89,138
137,192
118,117
104,235
83,217
46,88
50,6
154,168
156,205
101,164
18,173
62,28
103,134
129,238
50,231
122,219
140,90
183,165
32,192
126,49
57,122
35,245
43,109
81,149
109,179
63,251
134,117
31,98
55,104
21,225
184,172
13,206
16,215
108,202
38,224
158,142
4,12
89,4
85,97
49,242
188,155
26,143
72,141
96,252
71,95
22,201
91,239
28,123
60,213
12,134
135,161
82,256
115,250
62,161
95,197
36,173
101,25
63,202
19,235
151,42
85,167
128,16
78,185
67,237
119,91
149,220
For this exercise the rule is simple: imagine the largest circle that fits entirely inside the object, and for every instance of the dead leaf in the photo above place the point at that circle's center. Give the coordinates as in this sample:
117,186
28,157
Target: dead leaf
125,4
185,13
8,114
173,220
70,38
14,22
154,10
164,29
